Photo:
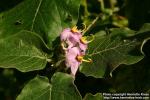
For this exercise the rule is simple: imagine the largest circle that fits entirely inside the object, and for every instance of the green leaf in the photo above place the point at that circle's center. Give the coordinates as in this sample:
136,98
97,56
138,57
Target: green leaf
108,52
37,89
97,96
61,88
144,32
144,28
45,17
23,51
137,75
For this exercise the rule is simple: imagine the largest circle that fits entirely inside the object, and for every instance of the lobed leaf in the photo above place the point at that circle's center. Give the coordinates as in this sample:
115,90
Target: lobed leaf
137,75
45,17
20,49
108,52
61,88
36,89
23,51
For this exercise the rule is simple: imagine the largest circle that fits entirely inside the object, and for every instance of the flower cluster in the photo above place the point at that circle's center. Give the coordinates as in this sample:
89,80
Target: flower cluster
75,47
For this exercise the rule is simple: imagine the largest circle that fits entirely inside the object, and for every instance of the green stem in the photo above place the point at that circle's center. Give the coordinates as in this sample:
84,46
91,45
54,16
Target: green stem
111,4
102,5
85,6
92,24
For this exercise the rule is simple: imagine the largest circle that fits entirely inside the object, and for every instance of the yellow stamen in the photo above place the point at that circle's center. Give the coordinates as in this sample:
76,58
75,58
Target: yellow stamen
80,59
89,60
85,41
91,39
63,47
84,27
75,29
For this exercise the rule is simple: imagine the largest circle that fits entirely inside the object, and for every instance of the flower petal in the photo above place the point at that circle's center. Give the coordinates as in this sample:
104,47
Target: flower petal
71,60
74,68
65,34
83,48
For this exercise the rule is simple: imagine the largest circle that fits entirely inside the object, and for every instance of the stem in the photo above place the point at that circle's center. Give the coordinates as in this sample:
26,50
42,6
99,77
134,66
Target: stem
102,5
85,6
112,4
92,24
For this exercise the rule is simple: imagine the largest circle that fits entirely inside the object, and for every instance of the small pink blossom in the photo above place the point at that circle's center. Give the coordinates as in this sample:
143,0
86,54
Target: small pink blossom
71,59
74,49
65,34
71,38
83,47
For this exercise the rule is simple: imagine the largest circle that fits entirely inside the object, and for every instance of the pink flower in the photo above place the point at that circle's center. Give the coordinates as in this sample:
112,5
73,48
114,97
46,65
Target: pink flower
75,49
71,38
65,34
71,59
83,47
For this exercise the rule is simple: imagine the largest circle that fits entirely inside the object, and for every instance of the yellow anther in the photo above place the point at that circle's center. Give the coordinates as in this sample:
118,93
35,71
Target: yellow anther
80,59
91,39
89,60
85,41
75,29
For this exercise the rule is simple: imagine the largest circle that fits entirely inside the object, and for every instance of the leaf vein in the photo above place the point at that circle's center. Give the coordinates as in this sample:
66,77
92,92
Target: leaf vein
37,10
105,50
